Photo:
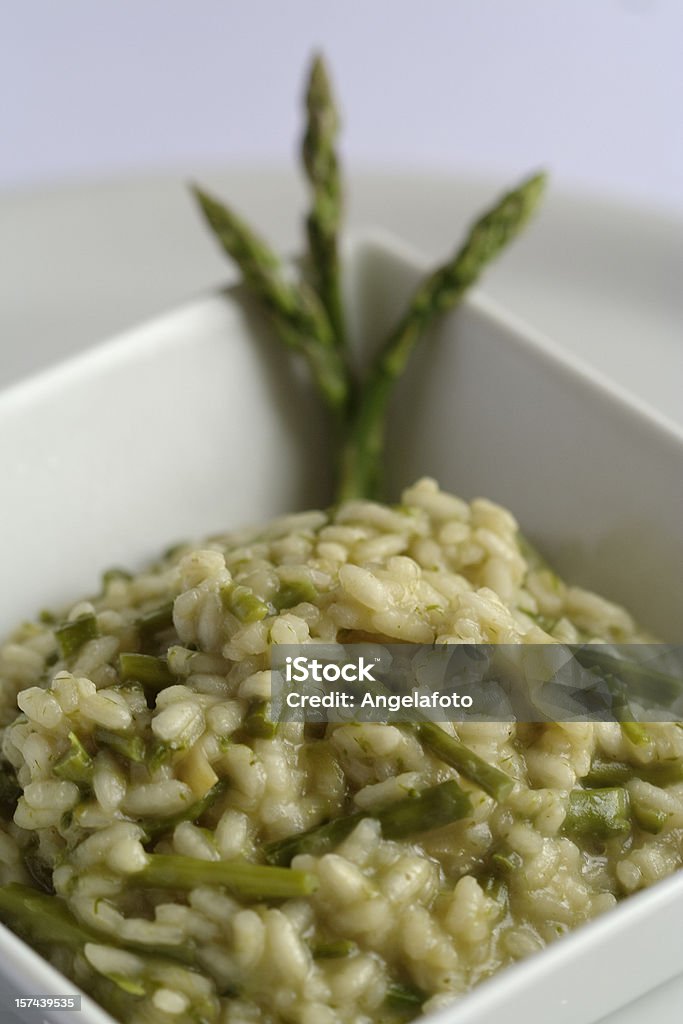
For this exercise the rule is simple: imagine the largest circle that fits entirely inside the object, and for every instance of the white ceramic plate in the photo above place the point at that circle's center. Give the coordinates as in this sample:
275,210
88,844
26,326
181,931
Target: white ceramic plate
192,423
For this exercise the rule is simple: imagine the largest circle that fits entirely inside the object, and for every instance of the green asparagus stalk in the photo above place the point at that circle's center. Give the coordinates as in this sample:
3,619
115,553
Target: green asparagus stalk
506,860
295,311
472,767
257,721
155,621
243,603
598,813
649,819
404,999
45,921
72,635
75,765
322,170
432,808
440,292
41,919
255,881
635,733
152,673
155,827
617,773
297,592
132,748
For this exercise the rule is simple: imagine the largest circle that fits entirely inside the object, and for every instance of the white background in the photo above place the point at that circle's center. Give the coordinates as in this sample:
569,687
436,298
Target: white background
590,88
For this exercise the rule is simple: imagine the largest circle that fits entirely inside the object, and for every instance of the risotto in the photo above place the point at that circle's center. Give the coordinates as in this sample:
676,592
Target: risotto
145,789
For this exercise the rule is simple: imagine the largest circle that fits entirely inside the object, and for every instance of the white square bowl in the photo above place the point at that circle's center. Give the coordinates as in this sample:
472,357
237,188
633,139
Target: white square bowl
197,422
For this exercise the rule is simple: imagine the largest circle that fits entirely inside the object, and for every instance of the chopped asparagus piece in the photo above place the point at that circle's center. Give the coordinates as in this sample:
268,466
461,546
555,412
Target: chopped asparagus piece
649,819
257,723
72,635
636,733
133,748
404,998
76,764
432,808
616,773
294,593
152,673
159,753
474,768
155,621
254,881
598,813
332,950
505,862
156,827
243,603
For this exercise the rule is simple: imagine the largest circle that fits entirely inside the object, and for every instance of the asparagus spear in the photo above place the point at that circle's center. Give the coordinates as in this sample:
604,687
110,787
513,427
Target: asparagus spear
322,169
441,291
432,808
598,813
295,311
489,778
255,881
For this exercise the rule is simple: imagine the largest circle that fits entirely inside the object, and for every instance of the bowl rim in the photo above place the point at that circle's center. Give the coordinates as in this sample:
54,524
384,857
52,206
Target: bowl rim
524,336
489,997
